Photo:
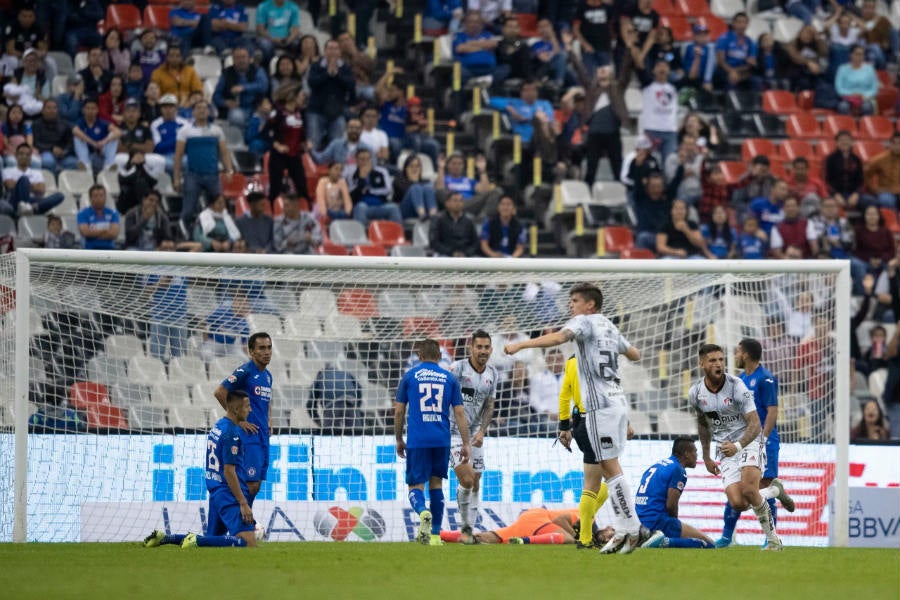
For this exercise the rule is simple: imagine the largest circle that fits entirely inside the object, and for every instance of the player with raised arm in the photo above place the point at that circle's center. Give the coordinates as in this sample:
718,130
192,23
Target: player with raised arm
477,382
572,426
429,391
254,379
727,414
764,385
657,500
599,344
539,526
229,509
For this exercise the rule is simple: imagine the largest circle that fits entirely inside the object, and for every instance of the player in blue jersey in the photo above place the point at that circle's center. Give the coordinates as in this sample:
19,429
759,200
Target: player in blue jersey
428,391
657,499
255,380
764,385
229,509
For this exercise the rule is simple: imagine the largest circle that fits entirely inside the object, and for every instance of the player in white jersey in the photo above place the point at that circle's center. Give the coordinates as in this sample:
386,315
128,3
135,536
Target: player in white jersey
477,382
599,344
727,414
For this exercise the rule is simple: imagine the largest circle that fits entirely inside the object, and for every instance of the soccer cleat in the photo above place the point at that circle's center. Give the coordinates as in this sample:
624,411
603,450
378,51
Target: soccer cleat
190,541
654,540
632,541
644,534
773,545
516,541
580,546
786,501
723,542
154,539
614,544
424,536
435,540
466,537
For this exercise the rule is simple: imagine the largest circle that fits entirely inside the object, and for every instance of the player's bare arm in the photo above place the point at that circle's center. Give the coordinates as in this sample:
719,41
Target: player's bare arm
750,434
632,354
705,439
486,417
221,394
672,498
564,523
460,413
771,420
234,485
399,420
545,341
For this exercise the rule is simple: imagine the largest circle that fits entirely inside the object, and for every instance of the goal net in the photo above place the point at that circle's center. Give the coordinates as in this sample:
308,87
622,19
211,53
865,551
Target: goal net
110,361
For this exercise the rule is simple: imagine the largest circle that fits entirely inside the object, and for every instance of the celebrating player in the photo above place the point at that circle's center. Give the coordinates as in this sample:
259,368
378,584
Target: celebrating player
254,379
727,414
539,526
429,391
229,509
594,492
606,411
764,386
657,500
477,381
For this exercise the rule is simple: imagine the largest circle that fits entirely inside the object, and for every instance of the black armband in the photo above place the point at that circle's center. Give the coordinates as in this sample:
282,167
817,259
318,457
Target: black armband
565,425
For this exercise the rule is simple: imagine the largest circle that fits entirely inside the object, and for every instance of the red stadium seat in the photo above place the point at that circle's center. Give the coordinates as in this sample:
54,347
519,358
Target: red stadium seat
757,147
791,149
680,26
665,8
313,173
885,78
124,17
387,234
369,250
693,9
868,149
240,206
890,219
803,126
421,326
333,249
732,170
234,187
93,399
835,123
717,27
825,147
637,253
806,101
357,303
616,239
874,127
157,17
887,99
527,24
779,102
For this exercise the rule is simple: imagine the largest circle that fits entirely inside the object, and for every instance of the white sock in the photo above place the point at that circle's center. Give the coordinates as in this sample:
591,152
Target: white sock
620,494
769,492
462,500
765,518
473,507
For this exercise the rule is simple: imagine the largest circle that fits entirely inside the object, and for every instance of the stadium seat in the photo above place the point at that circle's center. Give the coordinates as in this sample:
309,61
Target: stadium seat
164,393
527,24
869,149
396,303
304,370
64,64
357,302
300,419
287,349
223,366
779,102
187,370
148,417
347,232
207,67
640,422
189,417
234,187
575,193
767,125
873,127
146,369
756,147
7,225
824,148
726,8
887,99
32,227
325,350
110,180
76,183
609,194
271,324
616,239
431,302
124,17
717,27
693,9
732,171
386,233
317,303
803,126
674,422
125,394
680,26
417,327
890,219
333,249
409,251
420,235
106,369
157,17
665,8
791,149
93,399
786,29
835,123
302,326
369,250
341,326
204,393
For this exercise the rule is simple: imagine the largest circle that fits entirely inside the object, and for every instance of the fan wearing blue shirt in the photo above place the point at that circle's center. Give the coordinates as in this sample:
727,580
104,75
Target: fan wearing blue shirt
474,48
752,243
522,110
98,224
656,502
735,56
186,25
229,22
423,403
769,210
699,60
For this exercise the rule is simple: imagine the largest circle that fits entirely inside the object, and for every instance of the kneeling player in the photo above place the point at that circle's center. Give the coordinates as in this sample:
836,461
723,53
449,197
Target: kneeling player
538,526
229,511
657,499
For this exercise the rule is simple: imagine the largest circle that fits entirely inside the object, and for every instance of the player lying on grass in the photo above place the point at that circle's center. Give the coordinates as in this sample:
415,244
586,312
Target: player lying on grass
538,526
229,510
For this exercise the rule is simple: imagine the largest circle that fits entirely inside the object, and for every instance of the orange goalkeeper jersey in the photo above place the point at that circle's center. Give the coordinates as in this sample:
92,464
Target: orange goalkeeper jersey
535,521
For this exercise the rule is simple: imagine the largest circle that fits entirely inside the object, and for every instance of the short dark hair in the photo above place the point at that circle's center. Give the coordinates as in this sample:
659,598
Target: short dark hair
895,135
89,100
428,350
589,292
153,192
235,396
363,150
251,343
752,347
23,145
761,160
255,197
709,349
94,188
801,160
481,334
681,445
842,132
738,15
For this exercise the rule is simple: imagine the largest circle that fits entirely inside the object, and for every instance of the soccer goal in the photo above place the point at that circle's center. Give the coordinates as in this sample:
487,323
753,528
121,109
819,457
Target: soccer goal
110,361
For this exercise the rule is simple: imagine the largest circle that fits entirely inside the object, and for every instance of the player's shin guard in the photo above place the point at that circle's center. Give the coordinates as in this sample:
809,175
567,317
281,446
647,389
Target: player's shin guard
587,508
545,538
417,500
462,500
765,519
773,512
730,521
620,494
173,538
220,541
436,506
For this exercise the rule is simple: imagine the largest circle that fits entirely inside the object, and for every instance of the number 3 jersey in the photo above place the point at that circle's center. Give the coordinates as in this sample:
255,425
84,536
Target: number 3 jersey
224,446
725,410
429,391
476,388
599,344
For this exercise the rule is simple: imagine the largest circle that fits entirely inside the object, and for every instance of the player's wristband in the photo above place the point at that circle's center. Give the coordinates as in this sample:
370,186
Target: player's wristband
738,446
565,425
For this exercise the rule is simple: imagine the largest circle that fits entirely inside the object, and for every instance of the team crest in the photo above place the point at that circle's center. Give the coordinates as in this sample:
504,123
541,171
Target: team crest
251,472
231,379
234,449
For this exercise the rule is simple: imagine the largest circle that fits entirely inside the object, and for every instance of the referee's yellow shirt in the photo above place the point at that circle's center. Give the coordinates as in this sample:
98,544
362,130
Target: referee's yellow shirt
569,392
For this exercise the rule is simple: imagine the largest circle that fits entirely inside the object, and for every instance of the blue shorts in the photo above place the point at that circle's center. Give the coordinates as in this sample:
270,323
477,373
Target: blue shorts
772,448
225,515
256,458
670,526
424,463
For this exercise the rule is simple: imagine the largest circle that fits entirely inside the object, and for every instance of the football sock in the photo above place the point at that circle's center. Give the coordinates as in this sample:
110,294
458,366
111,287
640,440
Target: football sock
622,498
545,538
685,543
769,492
220,541
473,507
174,538
587,508
773,511
451,536
765,518
462,500
417,500
602,495
436,506
731,520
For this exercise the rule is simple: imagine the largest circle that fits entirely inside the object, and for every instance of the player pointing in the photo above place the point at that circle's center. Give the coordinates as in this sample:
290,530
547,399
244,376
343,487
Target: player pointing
599,344
429,391
477,381
727,414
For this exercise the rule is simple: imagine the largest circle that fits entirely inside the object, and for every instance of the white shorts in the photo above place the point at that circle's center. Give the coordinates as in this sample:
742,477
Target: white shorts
752,455
476,455
607,429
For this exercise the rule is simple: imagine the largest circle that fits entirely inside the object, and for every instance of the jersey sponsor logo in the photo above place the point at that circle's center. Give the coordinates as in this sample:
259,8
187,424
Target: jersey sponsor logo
430,374
717,419
727,401
606,443
640,500
263,391
468,394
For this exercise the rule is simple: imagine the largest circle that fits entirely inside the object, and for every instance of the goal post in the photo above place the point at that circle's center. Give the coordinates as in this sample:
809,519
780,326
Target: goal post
358,315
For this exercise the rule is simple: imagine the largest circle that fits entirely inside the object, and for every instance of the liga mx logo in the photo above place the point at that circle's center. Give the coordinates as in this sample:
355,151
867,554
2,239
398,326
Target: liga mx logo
337,523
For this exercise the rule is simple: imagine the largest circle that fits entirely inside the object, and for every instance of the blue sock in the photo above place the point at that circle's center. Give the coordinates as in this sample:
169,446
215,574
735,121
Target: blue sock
686,543
731,519
174,538
220,541
436,506
771,502
417,500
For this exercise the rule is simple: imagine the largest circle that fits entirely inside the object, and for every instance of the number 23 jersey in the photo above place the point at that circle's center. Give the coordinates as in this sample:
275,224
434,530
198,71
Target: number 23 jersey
599,344
430,392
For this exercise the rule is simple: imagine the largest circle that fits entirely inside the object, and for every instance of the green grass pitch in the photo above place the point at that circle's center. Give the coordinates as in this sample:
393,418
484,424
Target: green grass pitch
395,571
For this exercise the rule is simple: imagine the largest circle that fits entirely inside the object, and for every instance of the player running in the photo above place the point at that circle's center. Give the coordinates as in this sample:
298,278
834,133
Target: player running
229,509
477,381
538,526
254,379
727,414
429,391
764,385
657,500
599,344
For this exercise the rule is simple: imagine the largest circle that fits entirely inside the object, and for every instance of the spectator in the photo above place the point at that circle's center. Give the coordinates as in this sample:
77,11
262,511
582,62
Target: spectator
479,196
804,10
169,316
256,134
752,243
256,226
342,150
513,415
512,50
26,187
176,78
875,244
574,115
332,195
137,137
203,144
165,129
111,103
228,21
227,329
370,189
875,356
288,137
653,205
736,57
857,85
72,100
844,172
473,47
80,28
721,238
186,27
215,229
187,111
681,237
638,23
503,235
545,386
417,137
335,399
286,73
807,52
843,35
147,226
30,85
134,86
808,189
877,33
53,139
758,181
659,116
374,138
791,240
277,27
134,181
873,426
333,89
452,233
882,176
115,58
95,77
770,209
97,223
639,165
95,140
699,60
691,160
492,12
830,234
549,56
239,87
417,197
694,125
296,231
604,112
26,32
362,64
593,28
772,64
663,50
716,193
393,110
148,55
309,54
442,15
16,130
57,236
815,358
524,110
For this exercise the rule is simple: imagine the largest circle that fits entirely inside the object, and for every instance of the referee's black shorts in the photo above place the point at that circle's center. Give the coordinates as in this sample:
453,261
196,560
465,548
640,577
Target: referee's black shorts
579,432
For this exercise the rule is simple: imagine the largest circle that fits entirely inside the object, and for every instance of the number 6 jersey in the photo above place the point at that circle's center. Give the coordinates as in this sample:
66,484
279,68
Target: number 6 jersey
599,344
